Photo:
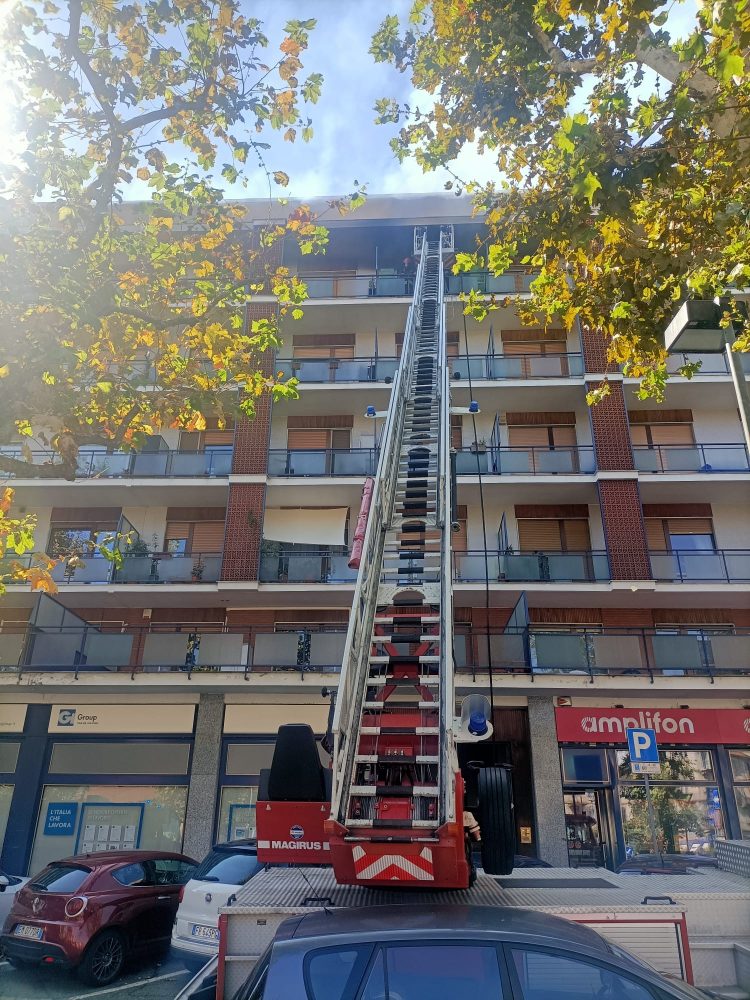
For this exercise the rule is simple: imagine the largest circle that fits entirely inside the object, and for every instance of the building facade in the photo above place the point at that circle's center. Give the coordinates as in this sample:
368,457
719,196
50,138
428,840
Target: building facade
601,580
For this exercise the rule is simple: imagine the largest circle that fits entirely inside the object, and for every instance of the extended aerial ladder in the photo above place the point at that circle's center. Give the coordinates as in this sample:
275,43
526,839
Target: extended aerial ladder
397,804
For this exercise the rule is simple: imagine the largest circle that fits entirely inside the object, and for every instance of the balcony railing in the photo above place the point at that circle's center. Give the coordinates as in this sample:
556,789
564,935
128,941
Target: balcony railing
305,566
686,565
711,364
526,461
131,465
516,366
692,458
322,462
370,369
156,567
537,567
531,651
388,285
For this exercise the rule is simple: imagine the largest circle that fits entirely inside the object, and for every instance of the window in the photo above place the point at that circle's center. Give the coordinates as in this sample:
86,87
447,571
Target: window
553,534
328,972
227,867
134,874
441,971
652,435
585,766
171,871
60,878
6,796
676,533
741,772
551,976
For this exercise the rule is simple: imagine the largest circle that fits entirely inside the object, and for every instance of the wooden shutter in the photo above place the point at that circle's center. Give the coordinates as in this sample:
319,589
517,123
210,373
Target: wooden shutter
452,349
528,437
341,438
672,434
690,526
577,538
539,535
553,346
342,352
457,439
177,529
516,347
639,435
655,537
564,437
307,439
190,441
218,438
311,352
208,537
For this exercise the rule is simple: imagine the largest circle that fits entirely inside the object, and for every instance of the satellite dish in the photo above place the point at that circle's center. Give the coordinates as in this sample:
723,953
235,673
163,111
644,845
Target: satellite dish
474,724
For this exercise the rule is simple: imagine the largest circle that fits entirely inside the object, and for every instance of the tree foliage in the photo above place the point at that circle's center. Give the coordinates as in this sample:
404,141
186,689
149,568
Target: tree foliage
622,153
121,318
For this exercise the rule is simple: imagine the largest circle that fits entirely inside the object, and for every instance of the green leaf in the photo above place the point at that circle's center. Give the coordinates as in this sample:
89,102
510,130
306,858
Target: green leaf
729,64
466,262
587,186
500,256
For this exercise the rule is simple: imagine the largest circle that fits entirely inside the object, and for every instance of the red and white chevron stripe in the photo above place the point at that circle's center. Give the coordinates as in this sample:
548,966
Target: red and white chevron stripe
393,867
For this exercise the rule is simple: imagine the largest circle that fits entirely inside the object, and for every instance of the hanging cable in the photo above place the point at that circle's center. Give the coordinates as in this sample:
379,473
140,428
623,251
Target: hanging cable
484,541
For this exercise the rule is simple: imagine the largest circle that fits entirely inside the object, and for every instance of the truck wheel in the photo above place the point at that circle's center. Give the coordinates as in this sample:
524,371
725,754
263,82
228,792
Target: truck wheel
497,820
104,959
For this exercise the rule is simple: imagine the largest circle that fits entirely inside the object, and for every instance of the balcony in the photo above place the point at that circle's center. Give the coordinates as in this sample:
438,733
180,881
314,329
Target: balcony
388,284
705,565
711,364
488,367
532,652
372,369
531,461
536,567
156,567
708,458
323,462
305,566
213,463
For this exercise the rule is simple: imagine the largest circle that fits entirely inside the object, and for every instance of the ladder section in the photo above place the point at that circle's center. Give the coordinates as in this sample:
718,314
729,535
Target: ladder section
395,786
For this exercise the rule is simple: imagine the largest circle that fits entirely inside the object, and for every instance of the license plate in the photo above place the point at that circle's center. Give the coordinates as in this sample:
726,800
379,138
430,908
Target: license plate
26,931
208,933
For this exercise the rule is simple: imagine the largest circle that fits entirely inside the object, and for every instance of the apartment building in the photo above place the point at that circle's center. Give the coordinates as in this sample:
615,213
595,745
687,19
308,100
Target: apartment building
601,577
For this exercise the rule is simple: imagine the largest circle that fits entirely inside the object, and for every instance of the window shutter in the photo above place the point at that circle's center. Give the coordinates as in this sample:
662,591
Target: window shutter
577,538
674,434
539,534
528,437
306,439
190,440
655,534
459,539
218,438
690,526
177,529
208,537
553,346
311,352
515,347
342,352
564,437
638,435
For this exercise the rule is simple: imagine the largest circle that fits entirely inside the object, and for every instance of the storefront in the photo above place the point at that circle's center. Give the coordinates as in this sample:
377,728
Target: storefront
701,792
105,777
12,719
243,757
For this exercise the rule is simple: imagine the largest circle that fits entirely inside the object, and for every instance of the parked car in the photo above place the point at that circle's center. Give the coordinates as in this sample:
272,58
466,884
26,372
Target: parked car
91,912
444,953
195,936
9,886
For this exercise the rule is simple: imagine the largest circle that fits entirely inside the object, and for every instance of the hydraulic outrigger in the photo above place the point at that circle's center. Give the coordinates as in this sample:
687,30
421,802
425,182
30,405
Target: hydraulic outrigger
395,811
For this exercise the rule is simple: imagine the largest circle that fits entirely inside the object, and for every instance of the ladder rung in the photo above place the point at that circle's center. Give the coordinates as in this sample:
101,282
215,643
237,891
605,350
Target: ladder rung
404,660
380,758
394,791
400,730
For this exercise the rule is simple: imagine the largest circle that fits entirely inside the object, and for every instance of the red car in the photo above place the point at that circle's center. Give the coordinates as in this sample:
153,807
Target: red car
91,912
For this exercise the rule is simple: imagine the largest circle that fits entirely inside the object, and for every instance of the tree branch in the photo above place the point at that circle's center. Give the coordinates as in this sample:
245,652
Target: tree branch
667,64
562,64
29,470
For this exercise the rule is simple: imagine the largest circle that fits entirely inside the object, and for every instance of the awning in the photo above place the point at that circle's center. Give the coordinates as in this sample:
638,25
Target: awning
303,526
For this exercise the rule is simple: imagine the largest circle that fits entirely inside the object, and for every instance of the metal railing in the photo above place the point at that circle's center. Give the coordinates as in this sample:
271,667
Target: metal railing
296,462
516,366
538,567
707,565
387,284
372,369
131,465
691,458
711,364
533,651
526,461
155,567
286,565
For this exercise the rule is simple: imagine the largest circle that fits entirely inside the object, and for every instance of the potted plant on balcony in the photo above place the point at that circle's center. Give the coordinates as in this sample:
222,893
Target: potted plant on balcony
197,572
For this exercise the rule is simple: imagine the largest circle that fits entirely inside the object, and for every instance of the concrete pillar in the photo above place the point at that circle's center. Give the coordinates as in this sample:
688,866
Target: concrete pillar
547,783
204,776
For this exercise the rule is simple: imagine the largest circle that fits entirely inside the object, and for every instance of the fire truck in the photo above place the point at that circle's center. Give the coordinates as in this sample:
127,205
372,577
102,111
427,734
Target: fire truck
395,806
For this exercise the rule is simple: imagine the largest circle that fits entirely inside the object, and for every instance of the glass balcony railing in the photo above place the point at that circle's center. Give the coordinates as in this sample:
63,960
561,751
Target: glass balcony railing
690,565
305,566
388,284
156,567
526,461
132,465
692,458
537,567
515,366
532,650
339,369
324,462
711,364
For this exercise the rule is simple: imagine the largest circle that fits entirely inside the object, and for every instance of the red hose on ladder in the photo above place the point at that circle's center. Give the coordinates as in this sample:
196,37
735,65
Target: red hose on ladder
359,532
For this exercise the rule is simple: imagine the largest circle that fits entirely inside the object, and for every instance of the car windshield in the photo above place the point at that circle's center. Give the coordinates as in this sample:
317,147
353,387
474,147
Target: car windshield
227,866
59,878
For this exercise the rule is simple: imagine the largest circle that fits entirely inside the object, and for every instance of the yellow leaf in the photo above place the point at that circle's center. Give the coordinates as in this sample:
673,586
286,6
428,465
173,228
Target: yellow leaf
281,178
4,371
143,173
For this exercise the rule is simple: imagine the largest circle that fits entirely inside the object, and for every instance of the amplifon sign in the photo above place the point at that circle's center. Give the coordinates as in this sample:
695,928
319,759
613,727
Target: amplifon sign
672,725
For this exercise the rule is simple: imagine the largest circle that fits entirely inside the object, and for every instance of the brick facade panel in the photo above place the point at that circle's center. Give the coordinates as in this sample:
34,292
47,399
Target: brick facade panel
243,531
611,431
620,505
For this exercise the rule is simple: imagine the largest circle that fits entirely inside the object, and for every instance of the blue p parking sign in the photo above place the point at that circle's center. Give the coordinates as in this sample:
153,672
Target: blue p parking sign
644,753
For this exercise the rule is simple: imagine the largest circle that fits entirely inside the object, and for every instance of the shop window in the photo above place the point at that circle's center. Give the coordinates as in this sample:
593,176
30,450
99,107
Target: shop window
6,795
741,773
78,818
584,766
8,757
119,758
237,812
686,802
248,758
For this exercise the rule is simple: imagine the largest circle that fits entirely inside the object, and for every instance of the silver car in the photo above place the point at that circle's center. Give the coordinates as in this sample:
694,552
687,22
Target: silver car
444,953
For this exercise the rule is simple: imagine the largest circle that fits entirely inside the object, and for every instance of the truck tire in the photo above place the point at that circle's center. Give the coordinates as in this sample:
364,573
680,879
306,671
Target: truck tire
497,820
